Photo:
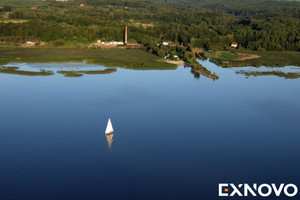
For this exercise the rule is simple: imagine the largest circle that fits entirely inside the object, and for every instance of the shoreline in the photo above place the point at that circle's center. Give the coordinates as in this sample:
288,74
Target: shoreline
140,59
178,63
115,57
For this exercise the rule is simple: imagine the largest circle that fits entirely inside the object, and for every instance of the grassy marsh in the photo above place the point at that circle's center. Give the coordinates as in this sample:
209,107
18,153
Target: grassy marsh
254,58
16,70
127,58
289,75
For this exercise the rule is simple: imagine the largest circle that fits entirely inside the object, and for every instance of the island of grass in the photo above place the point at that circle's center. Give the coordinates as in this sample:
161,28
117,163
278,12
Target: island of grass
16,70
289,75
81,73
115,57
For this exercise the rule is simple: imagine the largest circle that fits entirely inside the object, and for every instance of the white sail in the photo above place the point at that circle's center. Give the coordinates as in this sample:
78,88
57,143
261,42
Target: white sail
109,128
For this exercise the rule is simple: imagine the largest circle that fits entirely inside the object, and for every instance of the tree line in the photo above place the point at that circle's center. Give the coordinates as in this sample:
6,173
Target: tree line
255,25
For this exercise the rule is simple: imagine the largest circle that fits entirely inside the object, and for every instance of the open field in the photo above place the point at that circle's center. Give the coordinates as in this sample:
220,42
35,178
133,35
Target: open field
127,58
254,58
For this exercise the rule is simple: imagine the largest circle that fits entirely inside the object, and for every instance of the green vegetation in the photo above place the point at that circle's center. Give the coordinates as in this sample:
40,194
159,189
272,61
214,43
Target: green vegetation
224,55
198,69
289,75
127,58
255,58
266,28
210,24
81,73
15,70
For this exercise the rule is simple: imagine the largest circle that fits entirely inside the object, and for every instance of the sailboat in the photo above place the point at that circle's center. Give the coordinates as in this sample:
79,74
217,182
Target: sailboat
109,128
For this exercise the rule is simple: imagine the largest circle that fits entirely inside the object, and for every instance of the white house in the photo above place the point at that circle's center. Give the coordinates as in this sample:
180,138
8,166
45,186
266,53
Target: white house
234,44
31,42
167,43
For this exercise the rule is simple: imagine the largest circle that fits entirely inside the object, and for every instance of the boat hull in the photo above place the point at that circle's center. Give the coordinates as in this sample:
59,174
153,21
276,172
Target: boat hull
109,132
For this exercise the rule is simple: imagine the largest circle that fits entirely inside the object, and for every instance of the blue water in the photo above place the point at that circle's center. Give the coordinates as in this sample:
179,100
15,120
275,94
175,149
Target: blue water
176,137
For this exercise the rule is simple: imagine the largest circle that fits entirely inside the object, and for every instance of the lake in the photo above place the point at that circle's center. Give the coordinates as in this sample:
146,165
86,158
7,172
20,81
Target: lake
176,136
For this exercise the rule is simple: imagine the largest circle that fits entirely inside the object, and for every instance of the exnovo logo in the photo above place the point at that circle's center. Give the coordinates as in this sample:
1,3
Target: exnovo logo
264,190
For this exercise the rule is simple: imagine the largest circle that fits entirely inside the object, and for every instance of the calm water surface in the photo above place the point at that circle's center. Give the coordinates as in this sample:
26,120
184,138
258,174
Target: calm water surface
176,137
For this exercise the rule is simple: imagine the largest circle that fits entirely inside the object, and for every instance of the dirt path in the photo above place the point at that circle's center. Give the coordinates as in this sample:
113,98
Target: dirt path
14,21
179,62
246,56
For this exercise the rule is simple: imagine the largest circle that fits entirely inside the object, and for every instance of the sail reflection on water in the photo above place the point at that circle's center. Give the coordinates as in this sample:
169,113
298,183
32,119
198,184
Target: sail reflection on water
109,138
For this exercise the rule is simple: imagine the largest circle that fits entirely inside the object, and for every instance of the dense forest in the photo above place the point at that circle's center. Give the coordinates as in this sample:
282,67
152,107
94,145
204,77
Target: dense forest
211,24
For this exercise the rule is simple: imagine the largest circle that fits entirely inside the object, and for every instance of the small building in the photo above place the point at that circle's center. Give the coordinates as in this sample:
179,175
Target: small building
33,8
110,43
31,42
106,43
134,45
234,44
167,43
81,5
116,43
